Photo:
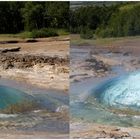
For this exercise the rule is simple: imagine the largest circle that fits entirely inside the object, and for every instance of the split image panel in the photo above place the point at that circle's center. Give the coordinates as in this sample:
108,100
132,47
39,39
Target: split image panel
34,69
69,69
104,76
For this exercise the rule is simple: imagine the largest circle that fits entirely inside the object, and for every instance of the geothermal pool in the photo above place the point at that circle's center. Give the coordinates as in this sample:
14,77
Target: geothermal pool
46,117
114,101
121,92
12,93
10,96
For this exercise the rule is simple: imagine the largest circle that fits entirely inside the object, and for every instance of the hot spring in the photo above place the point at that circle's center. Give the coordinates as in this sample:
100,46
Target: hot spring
121,92
10,96
17,101
115,101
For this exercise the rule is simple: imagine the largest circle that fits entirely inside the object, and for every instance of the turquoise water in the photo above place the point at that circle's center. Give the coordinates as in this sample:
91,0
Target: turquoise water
122,92
9,96
101,103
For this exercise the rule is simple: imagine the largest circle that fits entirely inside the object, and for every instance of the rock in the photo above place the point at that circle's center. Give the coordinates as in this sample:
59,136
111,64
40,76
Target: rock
101,134
97,66
119,135
100,70
116,52
127,54
5,50
9,60
63,108
116,129
7,65
31,40
12,41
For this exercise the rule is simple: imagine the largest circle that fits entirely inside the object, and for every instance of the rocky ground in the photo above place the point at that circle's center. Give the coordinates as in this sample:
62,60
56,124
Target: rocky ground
37,124
94,61
43,63
99,62
37,67
97,131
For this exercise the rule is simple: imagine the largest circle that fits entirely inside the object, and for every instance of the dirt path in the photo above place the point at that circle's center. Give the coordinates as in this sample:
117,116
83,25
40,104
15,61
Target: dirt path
47,46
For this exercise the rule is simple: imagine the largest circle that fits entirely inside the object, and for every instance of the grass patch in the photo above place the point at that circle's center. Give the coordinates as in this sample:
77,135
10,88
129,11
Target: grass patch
45,32
76,40
62,32
86,33
24,35
7,37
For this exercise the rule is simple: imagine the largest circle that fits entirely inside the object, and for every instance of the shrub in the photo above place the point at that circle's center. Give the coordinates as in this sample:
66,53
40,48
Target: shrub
43,33
62,31
86,33
104,32
124,22
24,35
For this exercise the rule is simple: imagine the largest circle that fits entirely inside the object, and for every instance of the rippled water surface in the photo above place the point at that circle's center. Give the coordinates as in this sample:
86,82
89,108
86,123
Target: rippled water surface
109,101
47,115
9,96
121,92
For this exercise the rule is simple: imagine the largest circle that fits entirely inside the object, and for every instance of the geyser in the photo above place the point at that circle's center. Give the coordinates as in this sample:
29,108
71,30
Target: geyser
10,96
121,92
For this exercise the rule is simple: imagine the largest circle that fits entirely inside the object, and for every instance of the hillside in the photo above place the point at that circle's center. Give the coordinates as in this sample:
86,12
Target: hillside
112,19
77,4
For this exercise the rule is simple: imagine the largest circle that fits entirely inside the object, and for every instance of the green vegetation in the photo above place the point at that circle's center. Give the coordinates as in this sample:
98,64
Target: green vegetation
77,4
34,19
86,33
115,20
43,33
113,41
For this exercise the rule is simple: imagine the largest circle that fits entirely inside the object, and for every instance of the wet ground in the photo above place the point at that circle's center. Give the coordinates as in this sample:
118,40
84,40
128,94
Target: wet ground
84,108
51,117
46,83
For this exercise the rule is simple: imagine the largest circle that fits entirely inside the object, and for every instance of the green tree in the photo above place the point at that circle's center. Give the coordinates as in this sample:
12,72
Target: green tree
32,16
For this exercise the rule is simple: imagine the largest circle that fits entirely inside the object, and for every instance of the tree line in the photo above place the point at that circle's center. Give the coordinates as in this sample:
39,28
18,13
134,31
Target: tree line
116,20
16,16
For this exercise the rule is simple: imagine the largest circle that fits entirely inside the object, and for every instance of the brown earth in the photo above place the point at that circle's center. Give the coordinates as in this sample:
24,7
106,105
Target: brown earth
31,135
43,63
97,131
52,45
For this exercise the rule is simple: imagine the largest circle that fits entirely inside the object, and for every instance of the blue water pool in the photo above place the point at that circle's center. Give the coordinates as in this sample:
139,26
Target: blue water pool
114,101
9,96
121,92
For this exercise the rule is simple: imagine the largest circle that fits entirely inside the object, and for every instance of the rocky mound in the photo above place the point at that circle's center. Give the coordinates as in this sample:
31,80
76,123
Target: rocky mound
15,60
97,65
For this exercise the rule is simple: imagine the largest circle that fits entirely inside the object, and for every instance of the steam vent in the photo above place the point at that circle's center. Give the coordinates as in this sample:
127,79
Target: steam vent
121,92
